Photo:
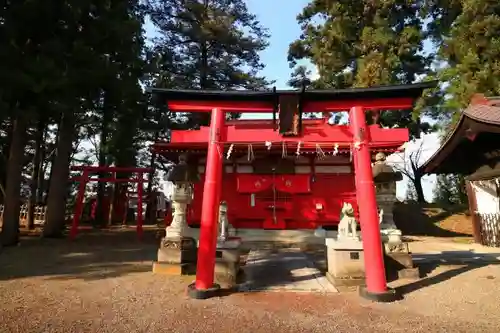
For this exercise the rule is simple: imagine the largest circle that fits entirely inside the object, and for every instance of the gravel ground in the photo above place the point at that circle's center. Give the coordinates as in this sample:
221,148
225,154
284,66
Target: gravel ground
104,284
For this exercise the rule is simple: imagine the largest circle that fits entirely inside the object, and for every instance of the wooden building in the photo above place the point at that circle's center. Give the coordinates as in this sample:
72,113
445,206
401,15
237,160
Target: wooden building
472,149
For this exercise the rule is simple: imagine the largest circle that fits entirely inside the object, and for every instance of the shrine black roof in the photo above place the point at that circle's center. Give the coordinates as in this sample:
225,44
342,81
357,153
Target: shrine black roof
475,136
395,91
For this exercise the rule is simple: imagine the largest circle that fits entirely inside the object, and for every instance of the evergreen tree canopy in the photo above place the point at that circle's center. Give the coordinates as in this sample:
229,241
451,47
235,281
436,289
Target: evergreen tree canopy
209,44
364,43
468,37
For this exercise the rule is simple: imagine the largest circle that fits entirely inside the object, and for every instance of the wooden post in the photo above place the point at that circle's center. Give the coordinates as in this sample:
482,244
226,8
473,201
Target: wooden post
210,205
78,205
476,224
140,185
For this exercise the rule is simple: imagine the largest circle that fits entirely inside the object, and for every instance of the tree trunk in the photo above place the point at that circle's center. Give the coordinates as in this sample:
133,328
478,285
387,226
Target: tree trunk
56,198
101,217
5,156
417,181
34,174
151,203
51,162
41,175
150,214
10,229
463,197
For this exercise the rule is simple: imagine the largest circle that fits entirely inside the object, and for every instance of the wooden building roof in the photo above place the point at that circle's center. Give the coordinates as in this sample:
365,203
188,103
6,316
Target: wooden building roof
472,148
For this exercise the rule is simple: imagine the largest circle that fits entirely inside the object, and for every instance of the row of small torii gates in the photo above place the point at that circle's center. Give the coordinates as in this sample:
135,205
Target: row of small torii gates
87,175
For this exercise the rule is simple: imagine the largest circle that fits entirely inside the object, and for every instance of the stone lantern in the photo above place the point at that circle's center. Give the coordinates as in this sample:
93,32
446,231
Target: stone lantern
177,248
183,177
385,179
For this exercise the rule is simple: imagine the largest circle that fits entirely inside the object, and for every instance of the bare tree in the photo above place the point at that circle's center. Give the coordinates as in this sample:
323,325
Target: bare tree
410,167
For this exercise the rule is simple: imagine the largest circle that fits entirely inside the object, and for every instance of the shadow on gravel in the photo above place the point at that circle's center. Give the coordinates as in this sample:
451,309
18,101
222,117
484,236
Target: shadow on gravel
280,269
93,255
464,261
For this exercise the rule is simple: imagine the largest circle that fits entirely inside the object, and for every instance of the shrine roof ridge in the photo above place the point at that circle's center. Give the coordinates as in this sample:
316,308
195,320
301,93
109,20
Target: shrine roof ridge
388,91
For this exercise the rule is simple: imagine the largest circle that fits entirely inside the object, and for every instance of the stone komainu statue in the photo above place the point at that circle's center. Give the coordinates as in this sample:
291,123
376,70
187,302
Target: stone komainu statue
348,224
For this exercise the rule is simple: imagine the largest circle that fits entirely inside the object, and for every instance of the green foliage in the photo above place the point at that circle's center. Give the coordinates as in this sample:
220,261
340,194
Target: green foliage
362,44
411,192
468,33
210,44
450,190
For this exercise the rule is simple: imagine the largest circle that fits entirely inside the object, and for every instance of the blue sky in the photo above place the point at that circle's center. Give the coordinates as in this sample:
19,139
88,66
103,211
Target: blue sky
281,21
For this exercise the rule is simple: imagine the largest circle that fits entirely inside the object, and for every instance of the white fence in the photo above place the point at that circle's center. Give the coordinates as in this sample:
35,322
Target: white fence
487,210
39,215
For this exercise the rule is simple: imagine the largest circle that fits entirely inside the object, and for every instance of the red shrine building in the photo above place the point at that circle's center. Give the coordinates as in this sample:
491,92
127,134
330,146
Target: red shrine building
288,172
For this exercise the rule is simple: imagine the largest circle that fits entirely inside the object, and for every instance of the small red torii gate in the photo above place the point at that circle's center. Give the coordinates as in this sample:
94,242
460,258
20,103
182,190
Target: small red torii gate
87,171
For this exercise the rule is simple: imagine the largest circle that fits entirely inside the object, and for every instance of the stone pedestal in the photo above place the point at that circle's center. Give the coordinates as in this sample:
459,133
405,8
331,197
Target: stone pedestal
345,262
227,262
177,253
391,235
398,261
176,256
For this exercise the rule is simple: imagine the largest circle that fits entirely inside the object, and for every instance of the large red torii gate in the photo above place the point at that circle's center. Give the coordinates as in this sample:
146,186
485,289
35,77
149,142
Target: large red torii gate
357,101
85,178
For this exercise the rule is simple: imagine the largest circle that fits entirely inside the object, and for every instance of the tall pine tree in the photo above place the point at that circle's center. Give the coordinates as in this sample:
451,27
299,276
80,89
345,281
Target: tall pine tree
208,44
467,33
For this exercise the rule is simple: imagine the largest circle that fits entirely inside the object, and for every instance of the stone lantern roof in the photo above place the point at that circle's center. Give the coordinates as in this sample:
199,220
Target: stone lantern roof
382,172
183,172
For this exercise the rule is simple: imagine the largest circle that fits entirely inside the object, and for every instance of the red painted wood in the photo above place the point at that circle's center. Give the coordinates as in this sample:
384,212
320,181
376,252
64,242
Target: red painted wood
109,169
78,206
266,107
208,106
367,205
402,103
210,200
85,178
323,134
139,208
297,208
110,180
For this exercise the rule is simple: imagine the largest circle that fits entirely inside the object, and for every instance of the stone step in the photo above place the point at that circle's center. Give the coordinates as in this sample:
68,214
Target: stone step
283,269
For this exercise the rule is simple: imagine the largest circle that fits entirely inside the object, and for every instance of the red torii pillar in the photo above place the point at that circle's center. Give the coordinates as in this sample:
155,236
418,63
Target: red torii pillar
204,286
376,283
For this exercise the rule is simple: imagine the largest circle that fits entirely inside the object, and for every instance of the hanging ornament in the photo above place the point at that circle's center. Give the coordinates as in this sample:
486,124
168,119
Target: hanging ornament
230,150
283,150
269,144
250,154
320,153
335,149
357,145
298,149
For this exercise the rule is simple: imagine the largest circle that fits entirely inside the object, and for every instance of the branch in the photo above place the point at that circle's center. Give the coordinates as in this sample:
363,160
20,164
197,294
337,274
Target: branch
405,172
